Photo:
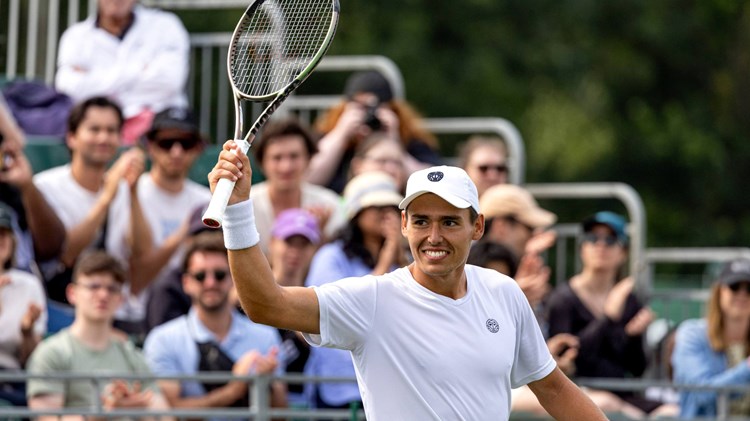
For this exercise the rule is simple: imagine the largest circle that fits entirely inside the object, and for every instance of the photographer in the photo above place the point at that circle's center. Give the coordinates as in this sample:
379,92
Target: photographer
369,106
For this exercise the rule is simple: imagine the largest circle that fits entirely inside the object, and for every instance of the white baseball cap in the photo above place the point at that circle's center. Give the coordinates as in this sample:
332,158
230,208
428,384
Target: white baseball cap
452,184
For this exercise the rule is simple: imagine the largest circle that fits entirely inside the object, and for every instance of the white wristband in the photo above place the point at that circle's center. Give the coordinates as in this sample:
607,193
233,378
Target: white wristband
239,226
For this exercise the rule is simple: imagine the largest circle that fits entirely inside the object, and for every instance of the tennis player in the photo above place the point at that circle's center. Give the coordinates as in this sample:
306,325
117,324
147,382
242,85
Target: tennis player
435,340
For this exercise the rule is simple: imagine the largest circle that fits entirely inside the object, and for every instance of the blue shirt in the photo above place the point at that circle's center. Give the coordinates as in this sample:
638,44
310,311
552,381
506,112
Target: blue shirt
696,363
331,264
171,348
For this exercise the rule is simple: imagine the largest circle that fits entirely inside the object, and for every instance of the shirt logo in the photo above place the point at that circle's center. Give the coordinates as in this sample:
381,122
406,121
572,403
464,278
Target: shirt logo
492,325
435,176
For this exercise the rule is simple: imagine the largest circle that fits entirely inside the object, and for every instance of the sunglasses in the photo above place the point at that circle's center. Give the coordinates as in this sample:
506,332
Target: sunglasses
499,168
608,240
200,276
95,287
185,143
737,286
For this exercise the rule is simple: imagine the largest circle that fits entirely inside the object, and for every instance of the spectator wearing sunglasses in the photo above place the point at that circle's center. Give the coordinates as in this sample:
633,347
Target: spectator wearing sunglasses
167,195
713,351
600,308
213,336
484,158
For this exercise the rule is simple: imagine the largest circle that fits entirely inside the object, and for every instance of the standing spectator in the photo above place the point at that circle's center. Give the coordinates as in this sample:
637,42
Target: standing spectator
295,237
368,106
371,244
213,336
714,351
166,194
90,346
599,307
22,312
135,55
98,206
485,159
283,151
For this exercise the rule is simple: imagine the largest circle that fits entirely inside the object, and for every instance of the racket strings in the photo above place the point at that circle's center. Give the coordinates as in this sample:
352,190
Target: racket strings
273,45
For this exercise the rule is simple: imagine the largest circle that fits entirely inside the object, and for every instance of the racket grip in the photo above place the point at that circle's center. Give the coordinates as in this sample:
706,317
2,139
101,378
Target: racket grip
214,215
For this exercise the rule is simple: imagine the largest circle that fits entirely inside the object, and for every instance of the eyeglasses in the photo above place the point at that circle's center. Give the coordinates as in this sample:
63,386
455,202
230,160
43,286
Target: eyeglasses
608,240
185,143
95,287
737,286
499,168
200,276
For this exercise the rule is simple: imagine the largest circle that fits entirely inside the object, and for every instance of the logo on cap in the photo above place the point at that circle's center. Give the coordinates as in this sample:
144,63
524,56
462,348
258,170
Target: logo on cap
435,176
492,325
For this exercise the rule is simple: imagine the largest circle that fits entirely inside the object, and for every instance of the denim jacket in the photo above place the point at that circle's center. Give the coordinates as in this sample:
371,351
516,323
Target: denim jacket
696,363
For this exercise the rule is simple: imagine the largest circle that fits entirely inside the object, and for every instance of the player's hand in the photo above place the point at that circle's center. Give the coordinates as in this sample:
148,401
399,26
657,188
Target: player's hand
639,323
617,297
233,165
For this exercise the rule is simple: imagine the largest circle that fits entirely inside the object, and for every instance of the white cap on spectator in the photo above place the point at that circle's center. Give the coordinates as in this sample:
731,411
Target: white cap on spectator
452,184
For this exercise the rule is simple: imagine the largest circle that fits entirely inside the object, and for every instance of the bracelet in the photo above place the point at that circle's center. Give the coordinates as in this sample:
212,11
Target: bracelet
239,226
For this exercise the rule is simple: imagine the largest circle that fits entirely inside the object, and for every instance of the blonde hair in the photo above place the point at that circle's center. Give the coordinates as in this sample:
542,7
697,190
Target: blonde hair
715,321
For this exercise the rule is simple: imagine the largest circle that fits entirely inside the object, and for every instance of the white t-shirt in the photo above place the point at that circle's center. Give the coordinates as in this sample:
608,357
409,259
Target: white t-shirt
312,195
423,356
166,211
72,202
148,68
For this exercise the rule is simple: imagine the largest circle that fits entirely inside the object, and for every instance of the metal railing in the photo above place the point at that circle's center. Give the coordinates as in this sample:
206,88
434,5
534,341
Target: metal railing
259,389
636,215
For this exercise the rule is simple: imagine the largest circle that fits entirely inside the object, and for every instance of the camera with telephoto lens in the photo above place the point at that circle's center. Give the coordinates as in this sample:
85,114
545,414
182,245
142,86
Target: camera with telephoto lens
371,119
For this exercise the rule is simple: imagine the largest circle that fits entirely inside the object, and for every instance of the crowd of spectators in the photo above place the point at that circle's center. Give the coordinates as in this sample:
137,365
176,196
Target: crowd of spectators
105,265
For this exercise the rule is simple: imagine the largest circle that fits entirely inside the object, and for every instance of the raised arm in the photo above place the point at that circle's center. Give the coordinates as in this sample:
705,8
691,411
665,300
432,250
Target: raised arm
263,300
563,400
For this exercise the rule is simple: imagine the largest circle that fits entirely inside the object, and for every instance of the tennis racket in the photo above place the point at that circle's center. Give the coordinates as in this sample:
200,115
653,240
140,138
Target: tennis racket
274,48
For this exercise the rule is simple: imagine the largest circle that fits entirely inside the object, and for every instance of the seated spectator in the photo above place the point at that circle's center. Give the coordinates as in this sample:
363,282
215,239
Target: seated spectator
39,232
371,243
213,336
379,152
294,238
98,205
513,218
168,299
90,346
137,56
713,351
166,195
368,106
283,151
23,316
492,255
600,308
485,159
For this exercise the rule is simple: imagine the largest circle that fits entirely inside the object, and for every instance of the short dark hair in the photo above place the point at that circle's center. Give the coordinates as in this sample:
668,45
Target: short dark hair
283,127
99,261
484,252
205,242
78,112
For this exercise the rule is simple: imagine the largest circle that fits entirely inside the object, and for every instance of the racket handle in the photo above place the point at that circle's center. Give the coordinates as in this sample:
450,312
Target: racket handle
214,215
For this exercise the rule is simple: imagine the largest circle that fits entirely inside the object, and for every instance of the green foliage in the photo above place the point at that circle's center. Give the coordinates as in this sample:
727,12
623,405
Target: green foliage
652,93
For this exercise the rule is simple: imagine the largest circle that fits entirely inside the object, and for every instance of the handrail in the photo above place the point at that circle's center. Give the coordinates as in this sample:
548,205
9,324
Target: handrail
633,203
